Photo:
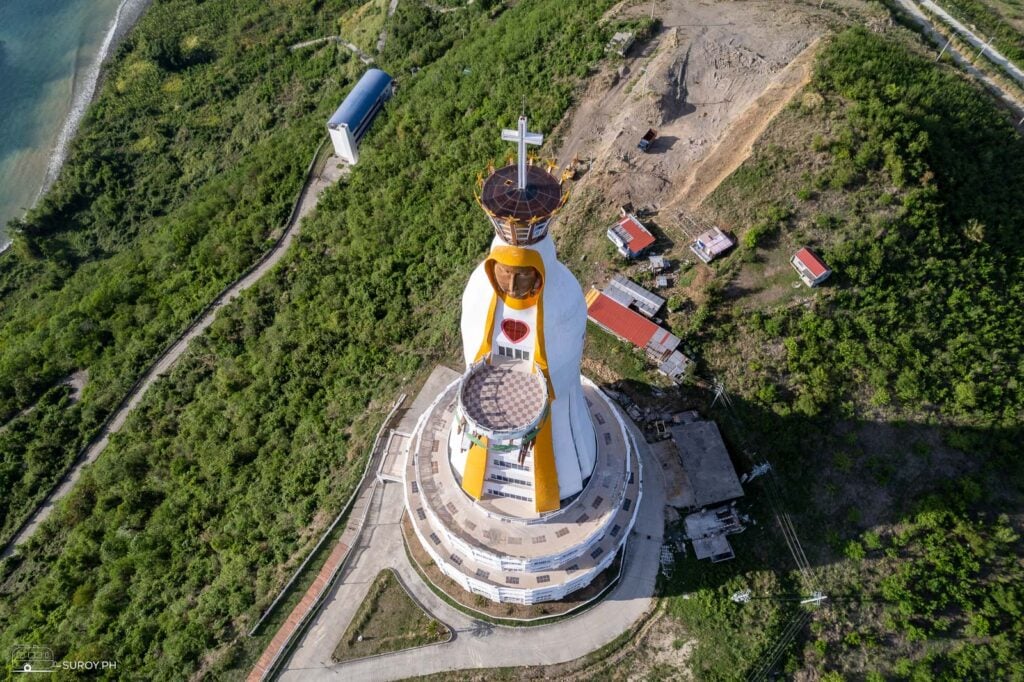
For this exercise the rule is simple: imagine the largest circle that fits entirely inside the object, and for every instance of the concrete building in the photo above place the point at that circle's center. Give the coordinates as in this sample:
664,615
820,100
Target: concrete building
711,477
810,267
707,530
711,244
522,482
630,236
353,118
631,295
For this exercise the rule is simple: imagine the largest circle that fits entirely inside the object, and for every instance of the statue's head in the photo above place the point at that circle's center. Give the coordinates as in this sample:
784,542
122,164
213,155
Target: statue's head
517,281
515,273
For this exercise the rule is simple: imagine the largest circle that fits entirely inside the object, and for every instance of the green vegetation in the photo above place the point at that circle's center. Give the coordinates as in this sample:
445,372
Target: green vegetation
171,544
914,209
946,575
889,400
388,620
186,165
924,310
993,27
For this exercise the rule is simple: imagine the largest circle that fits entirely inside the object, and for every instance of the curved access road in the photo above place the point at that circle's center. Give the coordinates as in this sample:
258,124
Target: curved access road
315,184
913,11
476,644
992,53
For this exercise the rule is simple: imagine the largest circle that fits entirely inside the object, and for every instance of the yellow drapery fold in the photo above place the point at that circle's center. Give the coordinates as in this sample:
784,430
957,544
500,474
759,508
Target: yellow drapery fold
545,472
476,468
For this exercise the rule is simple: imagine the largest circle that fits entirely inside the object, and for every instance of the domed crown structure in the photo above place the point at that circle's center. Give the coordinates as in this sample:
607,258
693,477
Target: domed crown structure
523,432
521,198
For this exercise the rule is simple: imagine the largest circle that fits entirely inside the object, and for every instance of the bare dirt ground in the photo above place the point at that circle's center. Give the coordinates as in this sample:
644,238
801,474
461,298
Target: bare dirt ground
709,83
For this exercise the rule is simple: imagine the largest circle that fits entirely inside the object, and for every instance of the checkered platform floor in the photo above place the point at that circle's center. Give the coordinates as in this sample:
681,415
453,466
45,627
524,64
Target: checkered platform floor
503,398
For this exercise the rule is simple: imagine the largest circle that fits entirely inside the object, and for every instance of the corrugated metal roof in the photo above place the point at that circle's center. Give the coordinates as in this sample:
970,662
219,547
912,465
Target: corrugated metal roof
628,293
619,320
814,265
360,100
639,237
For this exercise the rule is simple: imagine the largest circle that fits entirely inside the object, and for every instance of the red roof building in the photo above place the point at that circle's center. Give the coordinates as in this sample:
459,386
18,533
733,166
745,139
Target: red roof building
630,236
810,267
630,326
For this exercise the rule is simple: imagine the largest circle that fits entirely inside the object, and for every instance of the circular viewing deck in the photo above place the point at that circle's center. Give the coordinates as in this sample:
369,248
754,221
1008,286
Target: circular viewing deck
503,399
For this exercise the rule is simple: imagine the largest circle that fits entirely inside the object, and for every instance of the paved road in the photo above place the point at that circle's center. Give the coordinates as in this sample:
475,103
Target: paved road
307,202
478,644
353,48
382,38
914,12
992,53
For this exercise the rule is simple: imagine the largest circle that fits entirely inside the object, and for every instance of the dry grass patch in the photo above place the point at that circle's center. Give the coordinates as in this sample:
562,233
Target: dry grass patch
388,620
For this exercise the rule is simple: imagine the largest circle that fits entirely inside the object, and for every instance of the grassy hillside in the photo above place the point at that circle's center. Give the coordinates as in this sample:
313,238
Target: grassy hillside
184,169
172,543
889,400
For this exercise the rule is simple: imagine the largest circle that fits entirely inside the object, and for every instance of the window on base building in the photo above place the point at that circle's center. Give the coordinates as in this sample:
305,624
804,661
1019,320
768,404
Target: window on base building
516,353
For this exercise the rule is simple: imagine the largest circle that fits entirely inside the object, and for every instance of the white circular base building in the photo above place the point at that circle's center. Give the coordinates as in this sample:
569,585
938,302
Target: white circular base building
498,547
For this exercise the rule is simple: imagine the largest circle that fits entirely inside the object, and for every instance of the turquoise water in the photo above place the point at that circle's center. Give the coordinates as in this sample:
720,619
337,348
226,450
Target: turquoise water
48,59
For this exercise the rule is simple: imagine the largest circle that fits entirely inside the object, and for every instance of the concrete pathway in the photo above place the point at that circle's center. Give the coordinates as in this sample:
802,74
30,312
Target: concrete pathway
382,38
992,53
308,198
352,47
913,11
477,644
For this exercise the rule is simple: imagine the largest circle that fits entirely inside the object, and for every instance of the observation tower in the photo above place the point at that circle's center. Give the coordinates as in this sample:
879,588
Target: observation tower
522,482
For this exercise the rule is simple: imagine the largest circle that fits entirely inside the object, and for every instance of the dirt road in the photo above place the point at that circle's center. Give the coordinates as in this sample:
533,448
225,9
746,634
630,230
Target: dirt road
914,13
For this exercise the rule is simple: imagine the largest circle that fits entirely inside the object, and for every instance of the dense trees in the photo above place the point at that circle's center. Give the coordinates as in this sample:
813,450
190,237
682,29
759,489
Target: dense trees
927,303
173,541
183,170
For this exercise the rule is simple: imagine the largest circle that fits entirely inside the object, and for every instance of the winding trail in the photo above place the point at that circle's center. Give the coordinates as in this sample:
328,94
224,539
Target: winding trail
314,184
363,57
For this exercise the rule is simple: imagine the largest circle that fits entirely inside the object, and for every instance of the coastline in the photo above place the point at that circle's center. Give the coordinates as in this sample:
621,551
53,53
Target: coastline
84,92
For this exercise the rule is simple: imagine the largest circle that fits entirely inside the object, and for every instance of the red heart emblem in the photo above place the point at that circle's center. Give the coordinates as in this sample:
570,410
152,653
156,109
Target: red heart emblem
515,330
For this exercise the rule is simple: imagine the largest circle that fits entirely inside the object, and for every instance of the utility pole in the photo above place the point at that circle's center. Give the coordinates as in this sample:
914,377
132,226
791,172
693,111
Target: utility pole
815,598
944,49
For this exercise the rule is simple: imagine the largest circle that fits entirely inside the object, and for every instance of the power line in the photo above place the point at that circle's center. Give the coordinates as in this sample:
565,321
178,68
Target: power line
773,655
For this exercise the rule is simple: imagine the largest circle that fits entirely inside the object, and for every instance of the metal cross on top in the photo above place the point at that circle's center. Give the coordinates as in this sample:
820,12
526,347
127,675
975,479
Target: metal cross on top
523,138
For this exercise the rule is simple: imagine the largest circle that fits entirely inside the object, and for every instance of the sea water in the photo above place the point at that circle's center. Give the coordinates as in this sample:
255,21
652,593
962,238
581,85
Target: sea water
50,54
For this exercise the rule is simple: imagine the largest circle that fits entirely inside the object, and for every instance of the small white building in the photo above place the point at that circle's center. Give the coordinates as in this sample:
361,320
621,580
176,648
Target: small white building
709,245
353,118
810,267
620,43
630,236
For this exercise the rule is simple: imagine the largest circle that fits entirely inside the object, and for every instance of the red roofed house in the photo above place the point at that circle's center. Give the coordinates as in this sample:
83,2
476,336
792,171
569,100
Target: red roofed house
629,325
630,236
812,270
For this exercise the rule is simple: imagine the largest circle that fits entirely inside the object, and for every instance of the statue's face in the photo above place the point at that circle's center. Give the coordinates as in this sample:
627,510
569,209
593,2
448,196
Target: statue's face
517,281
